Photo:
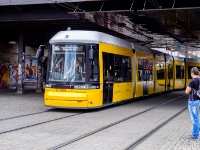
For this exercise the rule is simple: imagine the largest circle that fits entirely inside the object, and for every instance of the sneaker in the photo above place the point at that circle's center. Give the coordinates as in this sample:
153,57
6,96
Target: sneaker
191,137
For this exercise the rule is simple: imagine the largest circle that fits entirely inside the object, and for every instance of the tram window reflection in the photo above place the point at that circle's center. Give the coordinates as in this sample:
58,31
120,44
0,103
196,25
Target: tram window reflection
140,75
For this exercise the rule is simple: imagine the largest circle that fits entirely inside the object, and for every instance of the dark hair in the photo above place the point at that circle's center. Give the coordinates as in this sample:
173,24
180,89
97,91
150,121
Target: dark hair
30,60
195,70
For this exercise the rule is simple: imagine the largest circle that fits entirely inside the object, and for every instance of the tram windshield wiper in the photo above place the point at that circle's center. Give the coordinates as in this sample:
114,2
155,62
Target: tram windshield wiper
68,81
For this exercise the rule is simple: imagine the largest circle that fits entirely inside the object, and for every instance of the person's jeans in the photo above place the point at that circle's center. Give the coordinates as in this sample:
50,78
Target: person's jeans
193,107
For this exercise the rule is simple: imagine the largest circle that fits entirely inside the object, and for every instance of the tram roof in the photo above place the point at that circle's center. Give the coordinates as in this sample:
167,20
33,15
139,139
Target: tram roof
179,58
80,36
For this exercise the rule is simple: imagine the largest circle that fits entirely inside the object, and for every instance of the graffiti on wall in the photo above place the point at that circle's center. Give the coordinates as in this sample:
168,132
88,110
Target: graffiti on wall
8,72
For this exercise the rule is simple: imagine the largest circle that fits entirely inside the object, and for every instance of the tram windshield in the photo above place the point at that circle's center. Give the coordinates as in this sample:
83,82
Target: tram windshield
68,63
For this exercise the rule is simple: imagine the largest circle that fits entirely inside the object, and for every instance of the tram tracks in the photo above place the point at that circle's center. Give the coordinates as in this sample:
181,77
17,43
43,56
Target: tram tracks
121,121
140,140
39,123
24,115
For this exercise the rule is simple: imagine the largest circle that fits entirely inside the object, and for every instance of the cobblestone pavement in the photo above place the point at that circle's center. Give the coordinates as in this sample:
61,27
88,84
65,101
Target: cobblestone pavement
50,134
16,104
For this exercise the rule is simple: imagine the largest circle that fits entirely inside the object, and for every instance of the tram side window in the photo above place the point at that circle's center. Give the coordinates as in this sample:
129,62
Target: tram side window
95,67
179,72
119,73
170,73
105,67
108,71
127,69
140,70
160,74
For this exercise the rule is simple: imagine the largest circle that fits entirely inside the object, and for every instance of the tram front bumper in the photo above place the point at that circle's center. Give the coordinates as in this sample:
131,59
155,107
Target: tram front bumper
66,99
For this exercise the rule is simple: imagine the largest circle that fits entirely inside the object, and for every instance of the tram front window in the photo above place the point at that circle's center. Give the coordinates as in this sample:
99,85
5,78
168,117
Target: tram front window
68,63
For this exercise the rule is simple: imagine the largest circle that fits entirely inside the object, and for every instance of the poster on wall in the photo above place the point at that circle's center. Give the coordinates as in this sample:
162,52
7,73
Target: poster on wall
8,70
31,66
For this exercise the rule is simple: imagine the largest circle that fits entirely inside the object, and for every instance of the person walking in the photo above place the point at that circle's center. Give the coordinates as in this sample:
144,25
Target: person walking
193,102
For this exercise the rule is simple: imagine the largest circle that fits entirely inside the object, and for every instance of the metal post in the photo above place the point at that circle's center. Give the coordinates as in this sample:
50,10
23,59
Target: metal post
21,63
39,55
39,83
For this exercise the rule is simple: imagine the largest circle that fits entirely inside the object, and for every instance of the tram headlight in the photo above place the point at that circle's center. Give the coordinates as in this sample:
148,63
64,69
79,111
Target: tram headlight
48,85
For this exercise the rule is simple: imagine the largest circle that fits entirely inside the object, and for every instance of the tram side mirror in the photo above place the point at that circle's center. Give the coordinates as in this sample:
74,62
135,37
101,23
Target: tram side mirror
39,53
91,53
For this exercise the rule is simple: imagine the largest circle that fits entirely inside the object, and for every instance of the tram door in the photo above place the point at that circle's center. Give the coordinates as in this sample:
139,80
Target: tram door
108,77
168,78
146,77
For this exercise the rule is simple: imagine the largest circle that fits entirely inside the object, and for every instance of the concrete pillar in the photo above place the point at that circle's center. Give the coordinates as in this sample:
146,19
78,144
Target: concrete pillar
21,62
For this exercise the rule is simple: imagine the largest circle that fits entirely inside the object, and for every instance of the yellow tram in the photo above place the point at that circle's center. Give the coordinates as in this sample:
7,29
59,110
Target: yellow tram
89,69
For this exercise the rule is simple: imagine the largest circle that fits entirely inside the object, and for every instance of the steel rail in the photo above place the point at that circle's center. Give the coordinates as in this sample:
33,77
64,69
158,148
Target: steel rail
36,124
24,115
